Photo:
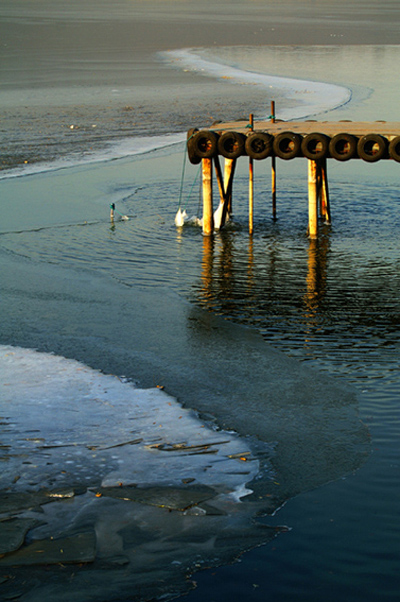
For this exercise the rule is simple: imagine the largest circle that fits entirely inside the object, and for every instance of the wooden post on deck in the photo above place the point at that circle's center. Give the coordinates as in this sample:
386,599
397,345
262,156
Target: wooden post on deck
273,167
312,199
251,182
208,217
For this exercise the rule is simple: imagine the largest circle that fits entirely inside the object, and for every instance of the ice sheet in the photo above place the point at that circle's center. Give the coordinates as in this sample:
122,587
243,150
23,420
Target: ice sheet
98,475
64,423
312,96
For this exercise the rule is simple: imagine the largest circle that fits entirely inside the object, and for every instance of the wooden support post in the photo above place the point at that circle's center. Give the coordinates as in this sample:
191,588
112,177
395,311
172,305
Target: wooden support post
312,199
251,184
229,172
220,182
319,188
273,167
208,218
273,186
221,213
325,205
251,195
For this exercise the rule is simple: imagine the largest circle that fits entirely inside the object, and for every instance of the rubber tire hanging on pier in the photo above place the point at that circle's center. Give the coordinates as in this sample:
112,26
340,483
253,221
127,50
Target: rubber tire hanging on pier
287,145
259,145
315,146
193,158
343,147
394,149
205,144
231,145
372,147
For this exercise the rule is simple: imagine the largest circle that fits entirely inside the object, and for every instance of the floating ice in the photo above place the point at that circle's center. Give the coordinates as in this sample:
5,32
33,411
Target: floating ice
182,219
218,216
127,147
125,480
66,423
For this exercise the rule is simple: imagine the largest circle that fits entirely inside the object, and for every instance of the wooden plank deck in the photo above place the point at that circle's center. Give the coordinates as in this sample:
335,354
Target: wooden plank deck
389,129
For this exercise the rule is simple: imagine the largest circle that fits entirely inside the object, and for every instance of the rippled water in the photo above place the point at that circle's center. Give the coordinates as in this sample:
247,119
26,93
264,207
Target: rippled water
333,303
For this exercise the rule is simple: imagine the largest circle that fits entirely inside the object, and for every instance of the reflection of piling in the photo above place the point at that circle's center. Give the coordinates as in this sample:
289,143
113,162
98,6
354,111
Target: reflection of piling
207,267
312,272
208,218
316,281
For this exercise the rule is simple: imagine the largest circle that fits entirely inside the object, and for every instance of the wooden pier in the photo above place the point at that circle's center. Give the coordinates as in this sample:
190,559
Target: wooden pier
315,141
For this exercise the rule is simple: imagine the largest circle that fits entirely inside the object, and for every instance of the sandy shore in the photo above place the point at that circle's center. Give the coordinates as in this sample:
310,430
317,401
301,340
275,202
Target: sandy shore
75,77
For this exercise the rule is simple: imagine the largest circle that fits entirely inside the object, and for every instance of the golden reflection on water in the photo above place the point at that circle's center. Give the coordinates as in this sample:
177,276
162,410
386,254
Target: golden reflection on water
207,267
315,284
227,278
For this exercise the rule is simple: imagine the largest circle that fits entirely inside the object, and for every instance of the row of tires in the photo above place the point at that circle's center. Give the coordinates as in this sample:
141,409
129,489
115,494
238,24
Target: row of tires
206,144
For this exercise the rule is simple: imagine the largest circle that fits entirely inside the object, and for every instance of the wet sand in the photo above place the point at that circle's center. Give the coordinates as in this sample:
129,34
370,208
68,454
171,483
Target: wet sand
75,77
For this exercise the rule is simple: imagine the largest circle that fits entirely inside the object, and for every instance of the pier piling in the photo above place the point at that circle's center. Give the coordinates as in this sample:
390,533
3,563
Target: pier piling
208,217
251,182
229,172
312,199
325,205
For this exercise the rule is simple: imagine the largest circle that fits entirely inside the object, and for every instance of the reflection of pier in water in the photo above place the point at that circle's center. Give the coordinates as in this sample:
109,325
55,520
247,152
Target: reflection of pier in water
314,424
232,285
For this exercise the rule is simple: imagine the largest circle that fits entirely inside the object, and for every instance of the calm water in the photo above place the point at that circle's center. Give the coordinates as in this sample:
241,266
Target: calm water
333,304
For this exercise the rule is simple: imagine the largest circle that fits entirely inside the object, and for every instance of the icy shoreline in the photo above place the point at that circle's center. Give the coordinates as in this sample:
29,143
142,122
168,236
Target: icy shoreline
305,98
312,97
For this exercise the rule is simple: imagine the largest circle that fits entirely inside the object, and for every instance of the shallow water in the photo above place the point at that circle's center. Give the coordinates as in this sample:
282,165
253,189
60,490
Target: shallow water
333,304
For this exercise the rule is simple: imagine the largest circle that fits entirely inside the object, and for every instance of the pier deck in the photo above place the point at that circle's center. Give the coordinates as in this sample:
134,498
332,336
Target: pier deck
316,141
389,129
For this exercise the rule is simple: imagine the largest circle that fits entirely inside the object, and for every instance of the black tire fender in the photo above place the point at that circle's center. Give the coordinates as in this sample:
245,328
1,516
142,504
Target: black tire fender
205,144
231,145
287,145
394,148
259,145
372,147
315,146
193,158
342,147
